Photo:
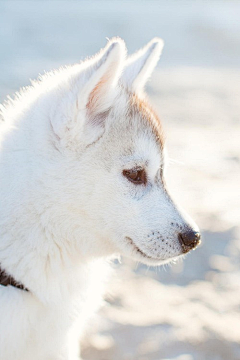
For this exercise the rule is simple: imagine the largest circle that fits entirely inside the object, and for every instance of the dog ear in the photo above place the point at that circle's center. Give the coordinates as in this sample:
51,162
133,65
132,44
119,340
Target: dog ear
91,88
140,65
103,75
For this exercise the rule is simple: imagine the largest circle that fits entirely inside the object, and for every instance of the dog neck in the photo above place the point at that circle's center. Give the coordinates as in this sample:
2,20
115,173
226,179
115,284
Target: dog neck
6,280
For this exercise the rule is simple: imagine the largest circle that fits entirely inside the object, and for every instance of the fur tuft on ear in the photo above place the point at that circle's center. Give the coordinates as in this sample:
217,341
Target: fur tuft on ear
140,65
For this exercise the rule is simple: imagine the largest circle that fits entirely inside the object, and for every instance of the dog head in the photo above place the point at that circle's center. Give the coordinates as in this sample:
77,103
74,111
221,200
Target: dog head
99,158
115,141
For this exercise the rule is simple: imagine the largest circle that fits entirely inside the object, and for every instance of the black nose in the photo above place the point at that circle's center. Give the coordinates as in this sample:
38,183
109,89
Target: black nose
189,240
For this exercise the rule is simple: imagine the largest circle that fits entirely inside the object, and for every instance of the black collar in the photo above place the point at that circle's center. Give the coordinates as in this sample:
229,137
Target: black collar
6,280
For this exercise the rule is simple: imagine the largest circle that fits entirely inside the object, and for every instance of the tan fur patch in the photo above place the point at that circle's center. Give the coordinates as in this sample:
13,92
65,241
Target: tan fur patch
142,106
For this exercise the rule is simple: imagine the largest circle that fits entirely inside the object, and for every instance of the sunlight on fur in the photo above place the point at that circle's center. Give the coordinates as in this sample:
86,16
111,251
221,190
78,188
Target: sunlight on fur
81,182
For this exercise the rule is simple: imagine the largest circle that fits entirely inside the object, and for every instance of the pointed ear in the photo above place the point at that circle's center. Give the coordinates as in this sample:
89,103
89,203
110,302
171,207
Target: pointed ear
91,88
102,77
140,65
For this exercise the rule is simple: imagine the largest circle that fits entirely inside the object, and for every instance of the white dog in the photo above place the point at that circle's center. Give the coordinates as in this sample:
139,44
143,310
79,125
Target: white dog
81,179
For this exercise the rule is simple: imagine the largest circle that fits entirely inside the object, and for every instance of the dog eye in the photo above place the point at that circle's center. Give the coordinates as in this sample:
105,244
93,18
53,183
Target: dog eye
136,176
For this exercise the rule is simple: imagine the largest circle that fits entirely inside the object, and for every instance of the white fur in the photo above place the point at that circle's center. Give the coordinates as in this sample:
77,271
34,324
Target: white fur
65,205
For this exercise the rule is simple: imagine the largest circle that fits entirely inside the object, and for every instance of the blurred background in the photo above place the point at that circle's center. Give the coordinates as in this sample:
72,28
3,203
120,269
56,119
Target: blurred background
190,310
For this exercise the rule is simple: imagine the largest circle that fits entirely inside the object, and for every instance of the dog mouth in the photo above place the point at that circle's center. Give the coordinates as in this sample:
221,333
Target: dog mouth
139,251
151,259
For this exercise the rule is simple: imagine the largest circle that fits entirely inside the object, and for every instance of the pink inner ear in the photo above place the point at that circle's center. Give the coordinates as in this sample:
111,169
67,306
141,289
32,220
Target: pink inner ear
94,106
96,97
99,101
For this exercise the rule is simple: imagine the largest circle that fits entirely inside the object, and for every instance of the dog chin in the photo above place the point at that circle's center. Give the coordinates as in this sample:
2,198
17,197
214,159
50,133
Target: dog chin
151,261
138,255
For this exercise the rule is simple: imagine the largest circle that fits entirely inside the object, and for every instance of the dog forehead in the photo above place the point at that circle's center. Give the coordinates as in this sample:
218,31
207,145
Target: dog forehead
140,108
136,132
138,117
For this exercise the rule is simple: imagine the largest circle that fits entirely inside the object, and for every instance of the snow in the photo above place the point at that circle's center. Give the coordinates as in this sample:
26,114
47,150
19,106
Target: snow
191,310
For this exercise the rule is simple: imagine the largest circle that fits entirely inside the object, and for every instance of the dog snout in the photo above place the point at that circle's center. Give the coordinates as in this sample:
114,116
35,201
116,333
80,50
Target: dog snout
189,240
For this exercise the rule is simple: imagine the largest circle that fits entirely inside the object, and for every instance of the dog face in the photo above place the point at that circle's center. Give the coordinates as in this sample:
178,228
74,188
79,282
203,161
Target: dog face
121,192
132,207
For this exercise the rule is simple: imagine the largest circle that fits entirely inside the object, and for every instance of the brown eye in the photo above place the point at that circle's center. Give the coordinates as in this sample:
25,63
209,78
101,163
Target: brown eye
136,176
